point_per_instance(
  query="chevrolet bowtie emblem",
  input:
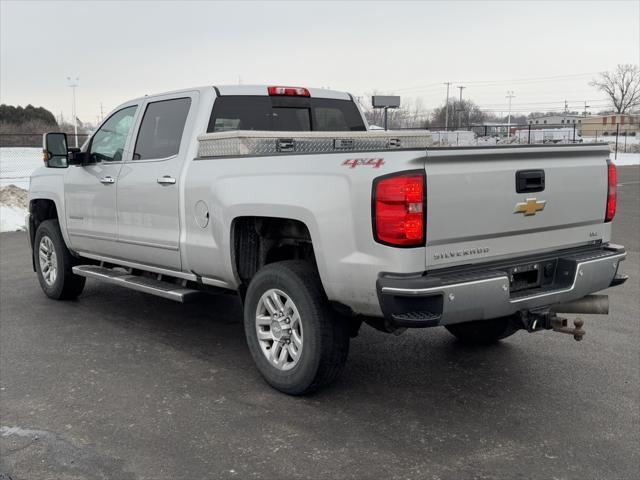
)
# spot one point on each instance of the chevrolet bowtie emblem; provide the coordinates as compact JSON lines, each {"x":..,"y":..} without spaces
{"x":530,"y":207}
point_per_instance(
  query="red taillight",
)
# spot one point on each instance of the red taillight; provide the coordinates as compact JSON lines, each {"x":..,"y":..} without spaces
{"x":612,"y":192}
{"x":289,"y":91}
{"x":398,"y":210}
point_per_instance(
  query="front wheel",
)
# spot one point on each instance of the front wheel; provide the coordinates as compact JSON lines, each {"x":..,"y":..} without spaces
{"x":483,"y":332}
{"x":54,"y":263}
{"x":298,"y":342}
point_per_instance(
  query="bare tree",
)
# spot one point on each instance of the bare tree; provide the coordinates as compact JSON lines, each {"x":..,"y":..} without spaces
{"x":465,"y":111}
{"x":622,"y":86}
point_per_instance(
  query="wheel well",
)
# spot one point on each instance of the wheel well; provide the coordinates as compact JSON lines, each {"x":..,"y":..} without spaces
{"x":258,"y":241}
{"x":40,"y":210}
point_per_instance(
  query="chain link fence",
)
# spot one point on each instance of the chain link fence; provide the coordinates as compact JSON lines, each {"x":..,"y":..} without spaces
{"x":21,"y":154}
{"x":623,"y":137}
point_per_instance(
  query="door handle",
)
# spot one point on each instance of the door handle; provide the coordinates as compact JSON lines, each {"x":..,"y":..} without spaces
{"x":529,"y":181}
{"x":107,"y":180}
{"x":166,"y":180}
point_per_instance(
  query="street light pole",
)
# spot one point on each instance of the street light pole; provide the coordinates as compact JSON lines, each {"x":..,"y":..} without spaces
{"x":73,"y":83}
{"x":510,"y":95}
{"x":460,"y":108}
{"x":446,"y":108}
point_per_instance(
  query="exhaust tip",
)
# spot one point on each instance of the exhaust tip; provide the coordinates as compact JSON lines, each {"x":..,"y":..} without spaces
{"x":589,"y":305}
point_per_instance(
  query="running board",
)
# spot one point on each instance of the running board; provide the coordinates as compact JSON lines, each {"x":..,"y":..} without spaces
{"x":162,"y":289}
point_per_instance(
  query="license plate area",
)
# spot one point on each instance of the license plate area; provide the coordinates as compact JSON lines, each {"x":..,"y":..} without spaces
{"x":523,"y":277}
{"x":531,"y":275}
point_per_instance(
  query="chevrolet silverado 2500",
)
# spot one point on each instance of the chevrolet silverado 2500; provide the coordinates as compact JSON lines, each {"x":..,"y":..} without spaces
{"x":283,"y":195}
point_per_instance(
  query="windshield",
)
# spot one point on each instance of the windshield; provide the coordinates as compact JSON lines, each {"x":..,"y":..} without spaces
{"x":298,"y":114}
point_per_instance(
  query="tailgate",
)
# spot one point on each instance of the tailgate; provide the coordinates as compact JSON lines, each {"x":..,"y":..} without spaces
{"x":475,"y":213}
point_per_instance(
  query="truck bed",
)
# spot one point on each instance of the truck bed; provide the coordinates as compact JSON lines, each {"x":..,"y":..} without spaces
{"x":472,"y":210}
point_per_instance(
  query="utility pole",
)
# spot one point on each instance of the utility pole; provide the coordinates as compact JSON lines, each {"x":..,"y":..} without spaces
{"x":446,"y":108}
{"x":73,"y":84}
{"x":510,"y":95}
{"x":566,"y":107}
{"x":585,"y":108}
{"x":101,"y":113}
{"x":460,"y":109}
{"x":461,"y":88}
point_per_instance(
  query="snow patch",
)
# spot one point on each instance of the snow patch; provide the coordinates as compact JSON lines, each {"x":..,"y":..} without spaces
{"x":13,"y":208}
{"x":626,"y":159}
{"x":12,"y":219}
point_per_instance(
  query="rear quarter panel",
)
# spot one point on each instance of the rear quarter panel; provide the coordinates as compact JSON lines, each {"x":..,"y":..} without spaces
{"x":332,"y":199}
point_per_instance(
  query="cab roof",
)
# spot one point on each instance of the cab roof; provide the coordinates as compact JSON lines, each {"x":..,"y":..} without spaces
{"x":253,"y":90}
{"x":263,"y":91}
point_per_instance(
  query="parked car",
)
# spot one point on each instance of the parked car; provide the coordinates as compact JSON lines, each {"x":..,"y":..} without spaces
{"x":283,"y":195}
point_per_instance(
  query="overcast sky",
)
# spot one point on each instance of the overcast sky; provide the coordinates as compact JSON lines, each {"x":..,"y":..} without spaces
{"x":121,"y":50}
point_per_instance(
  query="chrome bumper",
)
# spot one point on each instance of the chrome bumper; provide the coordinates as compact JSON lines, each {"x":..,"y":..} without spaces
{"x":484,"y":294}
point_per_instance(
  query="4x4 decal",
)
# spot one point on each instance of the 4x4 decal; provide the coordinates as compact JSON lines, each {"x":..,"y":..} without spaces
{"x":366,"y":162}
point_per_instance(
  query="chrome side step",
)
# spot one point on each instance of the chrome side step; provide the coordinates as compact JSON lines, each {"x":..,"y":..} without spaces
{"x":168,"y":290}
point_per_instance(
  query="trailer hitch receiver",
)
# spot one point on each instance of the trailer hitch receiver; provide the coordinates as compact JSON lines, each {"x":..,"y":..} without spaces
{"x":546,"y":319}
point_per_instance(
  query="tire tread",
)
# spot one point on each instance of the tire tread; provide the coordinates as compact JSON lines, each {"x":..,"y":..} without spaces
{"x":72,"y":284}
{"x":334,"y":339}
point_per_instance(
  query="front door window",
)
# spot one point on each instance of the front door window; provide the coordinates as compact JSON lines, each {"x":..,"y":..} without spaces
{"x":108,"y":142}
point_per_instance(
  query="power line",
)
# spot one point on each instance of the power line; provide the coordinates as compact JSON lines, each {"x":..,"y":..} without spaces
{"x":484,"y":83}
{"x":531,"y":79}
{"x":434,"y":85}
{"x":551,"y":102}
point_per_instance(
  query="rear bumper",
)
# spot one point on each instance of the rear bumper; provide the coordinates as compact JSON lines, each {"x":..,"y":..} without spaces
{"x":480,"y":293}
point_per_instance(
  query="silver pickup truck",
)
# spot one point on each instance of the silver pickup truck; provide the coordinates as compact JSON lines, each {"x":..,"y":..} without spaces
{"x":282,"y":195}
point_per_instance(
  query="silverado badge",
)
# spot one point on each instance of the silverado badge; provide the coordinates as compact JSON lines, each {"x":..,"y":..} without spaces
{"x":530,"y":207}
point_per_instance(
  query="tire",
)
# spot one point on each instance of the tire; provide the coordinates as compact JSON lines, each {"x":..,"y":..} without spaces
{"x":483,"y":332}
{"x":49,"y":250}
{"x":316,"y":332}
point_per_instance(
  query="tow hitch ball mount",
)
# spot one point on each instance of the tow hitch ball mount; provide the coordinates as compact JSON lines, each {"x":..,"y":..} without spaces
{"x":533,"y":321}
{"x":548,"y":319}
{"x":559,"y":325}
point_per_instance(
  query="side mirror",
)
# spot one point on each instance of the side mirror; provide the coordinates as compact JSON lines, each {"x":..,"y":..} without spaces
{"x":54,"y":150}
{"x":76,"y":157}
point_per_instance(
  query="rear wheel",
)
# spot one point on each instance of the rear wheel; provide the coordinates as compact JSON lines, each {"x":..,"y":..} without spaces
{"x":298,"y":342}
{"x":54,"y":262}
{"x":483,"y":332}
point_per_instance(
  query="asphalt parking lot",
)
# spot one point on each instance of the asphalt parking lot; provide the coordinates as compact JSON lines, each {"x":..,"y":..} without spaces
{"x":121,"y":385}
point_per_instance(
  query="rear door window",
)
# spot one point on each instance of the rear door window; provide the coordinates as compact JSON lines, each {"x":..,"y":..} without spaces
{"x":297,"y":114}
{"x":161,"y":129}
